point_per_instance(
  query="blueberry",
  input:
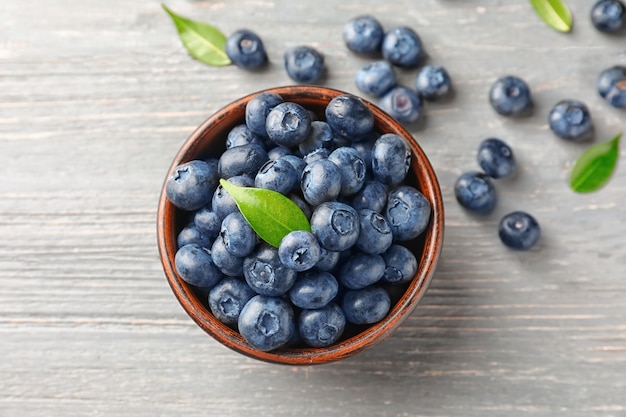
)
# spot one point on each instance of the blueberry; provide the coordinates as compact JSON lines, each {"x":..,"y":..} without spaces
{"x":475,"y":191}
{"x":191,"y":185}
{"x":364,"y":149}
{"x":242,"y":135}
{"x":612,"y":86}
{"x":320,"y":182}
{"x":278,"y":151}
{"x":407,"y":212}
{"x":510,"y":96}
{"x":351,"y":167}
{"x":400,"y":264}
{"x":195,"y":266}
{"x":207,"y":221}
{"x":303,"y":205}
{"x":265,"y":273}
{"x":320,"y":136}
{"x":304,"y":64}
{"x":278,"y":175}
{"x":237,"y":234}
{"x":366,"y":306}
{"x":191,"y":234}
{"x":349,"y":117}
{"x":363,"y":35}
{"x":496,"y":158}
{"x":328,"y":260}
{"x":258,"y":108}
{"x":403,"y":104}
{"x":375,"y":236}
{"x":245,"y":49}
{"x":361,"y":270}
{"x":228,"y":263}
{"x":222,"y":203}
{"x":266,"y":323}
{"x":227,"y":299}
{"x":519,"y":230}
{"x":335,"y":225}
{"x":241,"y":160}
{"x":403,"y":47}
{"x":316,"y":155}
{"x":372,"y":196}
{"x":299,"y":250}
{"x":391,"y":159}
{"x":376,"y":78}
{"x":298,"y":163}
{"x":609,"y":16}
{"x":322,"y":327}
{"x":288,"y":124}
{"x":571,"y":120}
{"x":313,"y":289}
{"x":433,"y":82}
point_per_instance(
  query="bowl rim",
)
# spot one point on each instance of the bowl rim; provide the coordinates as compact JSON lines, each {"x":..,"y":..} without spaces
{"x":433,"y":242}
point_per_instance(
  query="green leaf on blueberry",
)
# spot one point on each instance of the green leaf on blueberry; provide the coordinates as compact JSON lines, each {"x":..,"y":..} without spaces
{"x":203,"y":41}
{"x":270,"y":214}
{"x":555,"y":13}
{"x":595,"y":166}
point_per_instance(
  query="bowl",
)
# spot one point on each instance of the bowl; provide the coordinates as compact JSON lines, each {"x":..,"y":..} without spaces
{"x":208,"y":140}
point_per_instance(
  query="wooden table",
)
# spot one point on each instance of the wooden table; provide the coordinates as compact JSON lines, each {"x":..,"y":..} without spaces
{"x":96,"y":97}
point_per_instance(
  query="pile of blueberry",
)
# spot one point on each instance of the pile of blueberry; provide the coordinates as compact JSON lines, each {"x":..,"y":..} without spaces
{"x":400,"y":47}
{"x":349,"y":181}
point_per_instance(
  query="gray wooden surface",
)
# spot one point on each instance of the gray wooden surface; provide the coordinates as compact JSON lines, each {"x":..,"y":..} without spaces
{"x":96,"y":97}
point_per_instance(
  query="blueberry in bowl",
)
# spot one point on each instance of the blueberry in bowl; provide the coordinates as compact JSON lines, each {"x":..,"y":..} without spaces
{"x":323,"y":294}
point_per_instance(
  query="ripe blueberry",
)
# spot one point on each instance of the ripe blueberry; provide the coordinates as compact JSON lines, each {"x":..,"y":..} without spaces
{"x":402,"y":47}
{"x":376,"y":78}
{"x":191,"y":185}
{"x":510,"y":96}
{"x":403,"y":104}
{"x":496,"y":158}
{"x":571,"y":120}
{"x":609,"y":16}
{"x":612,"y":86}
{"x":304,"y":64}
{"x":433,"y":82}
{"x":245,"y":49}
{"x":266,"y":323}
{"x":519,"y":230}
{"x":363,"y":35}
{"x":322,"y":327}
{"x":475,"y":191}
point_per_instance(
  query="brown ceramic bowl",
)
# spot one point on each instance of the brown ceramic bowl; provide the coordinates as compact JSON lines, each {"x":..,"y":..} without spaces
{"x":208,"y":140}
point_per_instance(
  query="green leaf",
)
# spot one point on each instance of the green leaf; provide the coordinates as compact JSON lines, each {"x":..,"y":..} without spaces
{"x":555,"y":13}
{"x":271,"y":214}
{"x":203,"y":41}
{"x":595,"y":166}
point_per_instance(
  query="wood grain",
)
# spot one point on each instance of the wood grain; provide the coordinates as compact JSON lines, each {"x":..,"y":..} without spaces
{"x":97,"y":97}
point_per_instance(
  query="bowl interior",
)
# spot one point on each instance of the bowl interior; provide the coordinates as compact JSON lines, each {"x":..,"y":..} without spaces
{"x":208,"y":140}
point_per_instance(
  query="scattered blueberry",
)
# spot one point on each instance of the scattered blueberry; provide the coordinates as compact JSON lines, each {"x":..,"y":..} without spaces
{"x":519,"y":230}
{"x":403,"y":104}
{"x":191,"y":185}
{"x":609,"y":16}
{"x":376,"y":78}
{"x":266,"y":323}
{"x":322,"y":327}
{"x":304,"y":64}
{"x":363,"y":35}
{"x":496,"y":158}
{"x":402,"y":47}
{"x":299,"y":250}
{"x":612,"y":86}
{"x":571,"y":120}
{"x":245,"y":49}
{"x":510,"y":96}
{"x":433,"y":82}
{"x":475,"y":191}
